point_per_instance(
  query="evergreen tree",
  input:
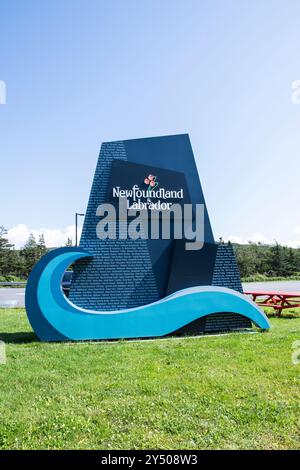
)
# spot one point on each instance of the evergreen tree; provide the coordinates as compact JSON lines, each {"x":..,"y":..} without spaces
{"x":277,"y":259}
{"x":11,"y":263}
{"x":31,"y":254}
{"x":41,"y":246}
{"x":245,"y":260}
{"x":5,"y":248}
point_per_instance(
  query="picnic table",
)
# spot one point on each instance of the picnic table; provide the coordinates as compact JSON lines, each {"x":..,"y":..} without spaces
{"x":277,"y":300}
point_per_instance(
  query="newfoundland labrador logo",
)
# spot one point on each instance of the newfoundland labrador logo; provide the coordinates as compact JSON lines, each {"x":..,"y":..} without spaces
{"x":152,"y":212}
{"x":150,"y":198}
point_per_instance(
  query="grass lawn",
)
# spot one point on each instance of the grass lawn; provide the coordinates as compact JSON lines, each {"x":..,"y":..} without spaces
{"x":236,"y":391}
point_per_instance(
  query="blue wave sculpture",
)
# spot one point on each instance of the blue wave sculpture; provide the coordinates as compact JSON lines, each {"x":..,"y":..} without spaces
{"x":54,"y":318}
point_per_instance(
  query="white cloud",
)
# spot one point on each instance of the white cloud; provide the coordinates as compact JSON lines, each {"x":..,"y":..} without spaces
{"x":19,"y":234}
{"x":260,"y":238}
{"x":293,"y":243}
{"x":297,"y":231}
{"x":255,"y":237}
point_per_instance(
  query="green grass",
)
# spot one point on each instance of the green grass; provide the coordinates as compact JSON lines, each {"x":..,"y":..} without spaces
{"x":12,"y":278}
{"x":236,"y":391}
{"x":286,"y":313}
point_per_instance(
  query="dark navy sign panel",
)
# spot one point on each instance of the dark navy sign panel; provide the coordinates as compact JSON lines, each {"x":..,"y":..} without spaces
{"x":172,"y":153}
{"x":130,"y":273}
{"x":126,"y":175}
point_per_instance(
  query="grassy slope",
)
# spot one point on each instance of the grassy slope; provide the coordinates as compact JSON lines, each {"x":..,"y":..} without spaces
{"x":234,"y":391}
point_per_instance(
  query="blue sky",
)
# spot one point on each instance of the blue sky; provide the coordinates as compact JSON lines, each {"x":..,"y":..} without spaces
{"x":81,"y":72}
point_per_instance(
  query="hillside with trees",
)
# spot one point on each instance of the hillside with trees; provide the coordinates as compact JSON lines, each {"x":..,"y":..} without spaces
{"x":263,"y":262}
{"x":255,"y":261}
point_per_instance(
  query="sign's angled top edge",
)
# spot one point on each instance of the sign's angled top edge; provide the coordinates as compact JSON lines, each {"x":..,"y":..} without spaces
{"x":185,"y":134}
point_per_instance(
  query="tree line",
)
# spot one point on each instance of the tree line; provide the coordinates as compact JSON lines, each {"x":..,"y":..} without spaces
{"x":268,"y":261}
{"x":17,"y":264}
{"x":254,"y":260}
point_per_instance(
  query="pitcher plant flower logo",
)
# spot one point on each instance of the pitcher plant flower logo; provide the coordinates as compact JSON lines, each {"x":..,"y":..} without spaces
{"x":151,"y":182}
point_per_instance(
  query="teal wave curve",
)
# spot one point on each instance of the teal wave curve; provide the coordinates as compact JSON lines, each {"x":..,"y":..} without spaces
{"x":55,"y":318}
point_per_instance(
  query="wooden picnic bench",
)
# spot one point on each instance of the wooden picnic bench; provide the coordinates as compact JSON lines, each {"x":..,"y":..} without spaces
{"x":277,"y":300}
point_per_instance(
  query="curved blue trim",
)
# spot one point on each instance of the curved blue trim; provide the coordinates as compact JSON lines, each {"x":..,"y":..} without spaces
{"x":55,"y":318}
{"x":40,"y":325}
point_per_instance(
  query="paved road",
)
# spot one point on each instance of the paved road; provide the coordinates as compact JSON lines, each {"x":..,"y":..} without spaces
{"x":283,"y":286}
{"x":12,"y":297}
{"x":16,"y":297}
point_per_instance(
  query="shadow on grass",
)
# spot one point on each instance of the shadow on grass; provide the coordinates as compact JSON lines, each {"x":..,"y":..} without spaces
{"x":17,"y":338}
{"x":283,"y":316}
